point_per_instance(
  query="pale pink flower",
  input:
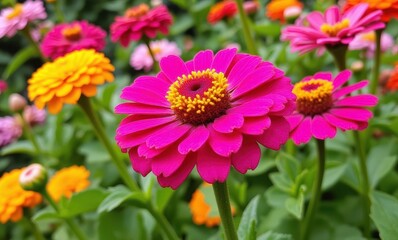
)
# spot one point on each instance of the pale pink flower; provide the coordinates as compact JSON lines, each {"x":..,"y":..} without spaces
{"x":367,"y":42}
{"x":34,"y":116}
{"x":10,"y":130}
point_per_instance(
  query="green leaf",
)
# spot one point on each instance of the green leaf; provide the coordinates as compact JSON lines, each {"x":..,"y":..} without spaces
{"x":181,"y":3}
{"x":274,"y":236}
{"x":23,"y":146}
{"x":296,"y":205}
{"x":82,"y":202}
{"x":380,"y":162}
{"x":46,"y":213}
{"x":247,"y":225}
{"x":119,"y":195}
{"x":268,"y":29}
{"x":162,"y":197}
{"x":334,"y":171}
{"x":181,"y":24}
{"x":384,"y":213}
{"x":276,"y":197}
{"x":20,"y":58}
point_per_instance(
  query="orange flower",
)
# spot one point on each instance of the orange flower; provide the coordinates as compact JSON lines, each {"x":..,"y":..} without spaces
{"x":67,"y":181}
{"x":223,"y":9}
{"x":65,"y":79}
{"x":13,"y":198}
{"x":392,"y":83}
{"x":276,"y":8}
{"x":201,"y":208}
{"x":389,"y":7}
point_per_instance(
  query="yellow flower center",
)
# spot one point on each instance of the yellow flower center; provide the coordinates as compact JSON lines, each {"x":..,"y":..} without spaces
{"x":200,"y":97}
{"x":17,"y":10}
{"x":156,"y":50}
{"x":371,"y":37}
{"x":334,"y":29}
{"x":136,"y":12}
{"x":313,"y":96}
{"x":72,"y":33}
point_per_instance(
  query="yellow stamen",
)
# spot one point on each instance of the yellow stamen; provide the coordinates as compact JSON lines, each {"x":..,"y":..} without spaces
{"x":72,"y":33}
{"x":137,"y":11}
{"x":17,"y":10}
{"x":333,"y":30}
{"x":313,"y":96}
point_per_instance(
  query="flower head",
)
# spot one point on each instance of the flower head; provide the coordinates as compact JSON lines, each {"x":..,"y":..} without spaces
{"x":16,"y":102}
{"x":3,"y":86}
{"x":140,"y":21}
{"x":65,"y":79}
{"x":67,"y":181}
{"x":68,"y":37}
{"x":276,"y":8}
{"x":217,"y":106}
{"x":389,"y":7}
{"x":203,"y":207}
{"x":392,"y":82}
{"x":331,"y":29}
{"x":141,"y":58}
{"x":10,"y":130}
{"x":13,"y":199}
{"x":324,"y":105}
{"x":16,"y":18}
{"x":221,"y":10}
{"x":33,"y":178}
{"x":367,"y":41}
{"x":34,"y":116}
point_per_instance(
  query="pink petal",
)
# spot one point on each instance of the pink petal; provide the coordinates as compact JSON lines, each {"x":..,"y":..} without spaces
{"x":228,"y":122}
{"x":357,"y":114}
{"x":145,"y":151}
{"x":349,"y":89}
{"x":173,"y":67}
{"x":247,"y":157}
{"x":139,"y":164}
{"x":255,"y":125}
{"x":257,"y":107}
{"x":167,"y":162}
{"x":364,"y":100}
{"x":141,"y":125}
{"x":332,"y":15}
{"x":356,"y":12}
{"x":164,"y":138}
{"x":151,"y":82}
{"x":241,"y":70}
{"x":178,"y":177}
{"x":276,"y":135}
{"x":302,"y":134}
{"x":323,"y":75}
{"x":341,"y":78}
{"x":315,"y":19}
{"x":341,"y":123}
{"x":144,"y":96}
{"x":223,"y":59}
{"x":212,"y":167}
{"x":294,"y":120}
{"x":225,"y":143}
{"x":137,"y":108}
{"x":203,"y":60}
{"x":321,"y":129}
{"x":195,"y":139}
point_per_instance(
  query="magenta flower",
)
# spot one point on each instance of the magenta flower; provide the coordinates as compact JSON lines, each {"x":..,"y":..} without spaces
{"x":367,"y":42}
{"x":209,"y":112}
{"x":3,"y":86}
{"x":16,"y":18}
{"x":323,"y":105}
{"x":10,"y":130}
{"x":34,"y":116}
{"x":68,"y":37}
{"x":140,"y":21}
{"x":141,"y":58}
{"x":317,"y":30}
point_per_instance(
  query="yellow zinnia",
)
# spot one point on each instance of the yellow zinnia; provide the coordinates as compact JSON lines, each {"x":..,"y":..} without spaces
{"x":66,"y":78}
{"x":67,"y":181}
{"x":13,"y":198}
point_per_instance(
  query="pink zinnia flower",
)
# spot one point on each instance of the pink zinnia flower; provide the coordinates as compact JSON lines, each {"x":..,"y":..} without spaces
{"x":323,"y":105}
{"x":141,"y":58}
{"x":68,"y":37}
{"x":140,"y":21}
{"x":367,"y":41}
{"x":3,"y":86}
{"x":210,"y":112}
{"x":10,"y":130}
{"x":16,"y":18}
{"x":34,"y":116}
{"x":331,"y":28}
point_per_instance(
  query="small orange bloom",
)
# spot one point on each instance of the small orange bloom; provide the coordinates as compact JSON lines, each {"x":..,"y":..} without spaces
{"x":389,"y":7}
{"x":65,"y":79}
{"x":223,"y":9}
{"x":276,"y":8}
{"x":392,"y":83}
{"x":13,"y":198}
{"x":67,"y":181}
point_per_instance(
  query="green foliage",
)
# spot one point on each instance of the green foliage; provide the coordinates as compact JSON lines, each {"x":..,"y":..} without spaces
{"x":384,"y":213}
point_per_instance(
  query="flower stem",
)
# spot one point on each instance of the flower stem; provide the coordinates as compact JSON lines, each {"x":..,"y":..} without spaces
{"x":250,"y":43}
{"x":339,"y":55}
{"x":72,"y":224}
{"x":364,"y":184}
{"x":35,"y":230}
{"x":224,"y":207}
{"x":58,"y":11}
{"x":86,"y":105}
{"x":155,"y":63}
{"x":26,"y":33}
{"x":29,"y":134}
{"x":316,"y":191}
{"x":163,"y":223}
{"x":376,"y":66}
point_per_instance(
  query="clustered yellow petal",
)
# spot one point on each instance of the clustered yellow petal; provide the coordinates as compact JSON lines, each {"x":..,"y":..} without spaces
{"x":13,"y":198}
{"x":67,"y":181}
{"x":65,"y":79}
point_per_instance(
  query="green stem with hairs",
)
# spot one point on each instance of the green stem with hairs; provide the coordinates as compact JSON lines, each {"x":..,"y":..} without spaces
{"x":163,"y":223}
{"x":155,"y":63}
{"x":29,"y":134}
{"x":58,"y":11}
{"x":250,"y":43}
{"x":316,"y":191}
{"x":33,"y":227}
{"x":224,"y":208}
{"x":87,"y":107}
{"x":376,"y":65}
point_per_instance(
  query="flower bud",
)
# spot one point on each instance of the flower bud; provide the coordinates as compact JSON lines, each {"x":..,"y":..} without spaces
{"x":16,"y":102}
{"x":357,"y":66}
{"x":33,"y":178}
{"x":292,"y":13}
{"x":3,"y":86}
